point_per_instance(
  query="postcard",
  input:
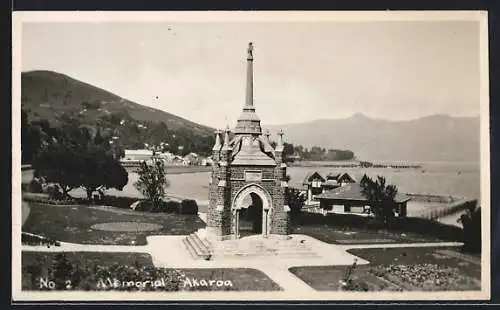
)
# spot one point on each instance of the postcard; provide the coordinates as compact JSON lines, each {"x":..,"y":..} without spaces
{"x":212,"y":156}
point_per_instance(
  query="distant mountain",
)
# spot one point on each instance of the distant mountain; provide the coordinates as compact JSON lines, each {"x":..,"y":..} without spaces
{"x":431,"y":138}
{"x":56,"y":97}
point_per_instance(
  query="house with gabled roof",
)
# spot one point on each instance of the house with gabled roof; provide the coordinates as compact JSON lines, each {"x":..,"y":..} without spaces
{"x":314,"y":182}
{"x":339,"y":179}
{"x":351,"y":195}
{"x":317,"y":184}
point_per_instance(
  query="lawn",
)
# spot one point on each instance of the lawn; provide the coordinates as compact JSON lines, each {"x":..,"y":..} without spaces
{"x":399,"y":269}
{"x":73,"y":224}
{"x":138,"y":267}
{"x":338,"y":235}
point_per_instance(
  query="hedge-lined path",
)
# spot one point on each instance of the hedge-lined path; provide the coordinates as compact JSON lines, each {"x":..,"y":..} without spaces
{"x":169,"y":252}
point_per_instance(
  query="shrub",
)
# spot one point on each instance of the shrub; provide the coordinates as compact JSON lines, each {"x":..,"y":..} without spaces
{"x":54,"y":192}
{"x":471,"y":231}
{"x":188,"y":206}
{"x":173,"y":206}
{"x":295,"y":200}
{"x":118,"y":201}
{"x":147,"y":206}
{"x":35,"y":186}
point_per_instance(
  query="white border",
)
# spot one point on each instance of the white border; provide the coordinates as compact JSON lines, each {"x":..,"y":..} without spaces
{"x":250,"y":16}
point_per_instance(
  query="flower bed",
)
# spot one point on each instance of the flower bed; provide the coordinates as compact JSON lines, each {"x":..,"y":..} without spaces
{"x":428,"y":277}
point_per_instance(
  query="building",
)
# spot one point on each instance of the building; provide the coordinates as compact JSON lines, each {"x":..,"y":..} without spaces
{"x":350,"y":196}
{"x":137,"y":155}
{"x":316,"y":184}
{"x":206,"y":161}
{"x":248,"y":177}
{"x":178,"y":160}
{"x":335,"y":180}
{"x":192,"y":159}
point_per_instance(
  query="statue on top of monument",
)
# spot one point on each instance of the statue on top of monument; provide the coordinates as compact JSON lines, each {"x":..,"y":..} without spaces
{"x":250,"y":49}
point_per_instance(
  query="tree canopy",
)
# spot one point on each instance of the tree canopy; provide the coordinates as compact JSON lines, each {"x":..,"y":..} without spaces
{"x":77,"y":159}
{"x":381,"y":197}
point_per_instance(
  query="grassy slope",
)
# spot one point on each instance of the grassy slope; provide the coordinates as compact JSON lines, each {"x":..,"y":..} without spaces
{"x":49,"y":95}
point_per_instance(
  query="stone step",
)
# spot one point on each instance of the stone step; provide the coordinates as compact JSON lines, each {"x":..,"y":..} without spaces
{"x":189,"y":248}
{"x":219,"y":250}
{"x":200,"y":243}
{"x":196,"y":247}
{"x":247,"y":247}
{"x":199,"y":252}
{"x":264,"y":255}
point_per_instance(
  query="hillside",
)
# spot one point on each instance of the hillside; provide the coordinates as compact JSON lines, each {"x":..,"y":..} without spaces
{"x":432,"y":138}
{"x":56,"y":97}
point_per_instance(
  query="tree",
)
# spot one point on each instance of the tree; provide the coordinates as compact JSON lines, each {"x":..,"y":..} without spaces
{"x":295,"y":200}
{"x":288,"y":150}
{"x":76,"y":160}
{"x":31,"y":139}
{"x":381,"y":197}
{"x":152,"y":181}
{"x":471,"y":228}
{"x":102,"y":171}
{"x":60,"y":163}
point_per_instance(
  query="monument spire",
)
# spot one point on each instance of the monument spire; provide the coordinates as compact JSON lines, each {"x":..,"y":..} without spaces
{"x":249,"y":88}
{"x":249,"y":122}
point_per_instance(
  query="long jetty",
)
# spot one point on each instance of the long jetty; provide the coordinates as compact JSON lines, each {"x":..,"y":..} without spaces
{"x":354,"y":164}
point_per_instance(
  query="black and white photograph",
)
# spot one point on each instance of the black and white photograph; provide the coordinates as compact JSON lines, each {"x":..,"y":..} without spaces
{"x":250,"y":156}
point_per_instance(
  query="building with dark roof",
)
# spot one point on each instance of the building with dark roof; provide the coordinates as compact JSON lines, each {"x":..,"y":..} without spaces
{"x":316,"y":184}
{"x":351,"y":195}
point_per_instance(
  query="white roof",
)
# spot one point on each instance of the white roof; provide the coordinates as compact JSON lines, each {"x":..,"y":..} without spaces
{"x":138,"y":152}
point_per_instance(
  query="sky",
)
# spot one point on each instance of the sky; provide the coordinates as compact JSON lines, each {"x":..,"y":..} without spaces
{"x":302,"y":70}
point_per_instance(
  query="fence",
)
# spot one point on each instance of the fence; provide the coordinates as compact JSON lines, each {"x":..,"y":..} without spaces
{"x":432,"y":198}
{"x":452,"y":208}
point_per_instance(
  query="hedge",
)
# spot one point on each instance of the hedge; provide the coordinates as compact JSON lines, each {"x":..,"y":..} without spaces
{"x":184,"y":206}
{"x":31,"y":239}
{"x":416,"y":225}
{"x":45,"y":199}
